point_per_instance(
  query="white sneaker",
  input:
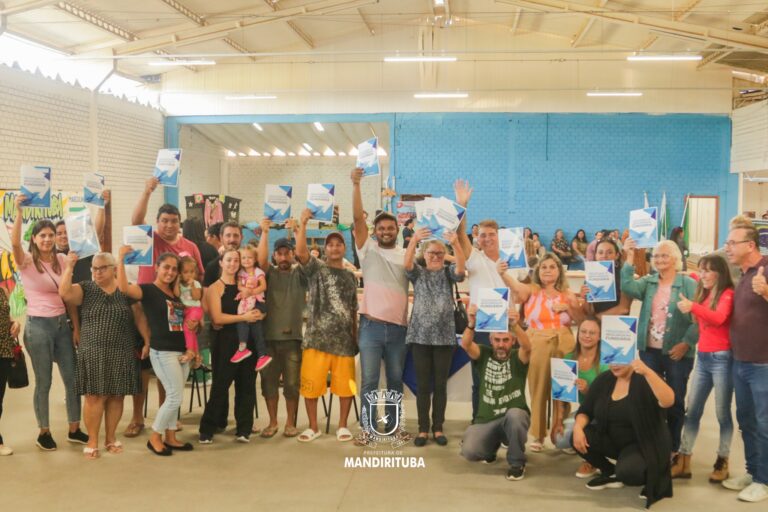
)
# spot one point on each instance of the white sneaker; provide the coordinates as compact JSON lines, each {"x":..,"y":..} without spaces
{"x":5,"y":450}
{"x":754,"y":493}
{"x":738,"y":483}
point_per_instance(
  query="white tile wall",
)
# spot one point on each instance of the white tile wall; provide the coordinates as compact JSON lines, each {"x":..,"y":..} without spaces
{"x":200,"y":164}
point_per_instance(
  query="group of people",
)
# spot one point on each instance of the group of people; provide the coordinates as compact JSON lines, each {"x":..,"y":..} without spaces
{"x":635,"y":424}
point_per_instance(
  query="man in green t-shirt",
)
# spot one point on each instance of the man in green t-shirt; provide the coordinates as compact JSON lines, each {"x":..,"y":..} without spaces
{"x":502,"y":412}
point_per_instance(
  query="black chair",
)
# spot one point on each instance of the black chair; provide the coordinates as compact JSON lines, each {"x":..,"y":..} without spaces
{"x":327,"y":409}
{"x":195,"y":378}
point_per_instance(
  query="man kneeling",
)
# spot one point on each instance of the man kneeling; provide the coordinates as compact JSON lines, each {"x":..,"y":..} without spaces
{"x":502,"y":413}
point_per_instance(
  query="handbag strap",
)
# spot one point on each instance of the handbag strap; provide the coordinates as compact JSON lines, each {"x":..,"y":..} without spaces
{"x":49,"y":275}
{"x":455,"y":286}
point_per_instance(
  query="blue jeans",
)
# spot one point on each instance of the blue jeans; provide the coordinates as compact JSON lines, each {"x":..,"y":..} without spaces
{"x":377,"y":341}
{"x":49,"y":340}
{"x":172,"y":374}
{"x":675,"y":374}
{"x":751,"y":385}
{"x":713,"y":369}
{"x":482,"y":440}
{"x":481,"y":338}
{"x":564,"y":441}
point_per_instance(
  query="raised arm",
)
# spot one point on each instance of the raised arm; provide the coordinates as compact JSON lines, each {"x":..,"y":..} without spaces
{"x":463,"y":193}
{"x":360,"y":229}
{"x":18,"y":250}
{"x":521,"y":290}
{"x":132,"y":290}
{"x":410,"y":252}
{"x":302,"y":251}
{"x":458,"y":253}
{"x":661,"y":389}
{"x":100,"y":220}
{"x":524,"y":354}
{"x":140,"y":210}
{"x":70,"y":293}
{"x":468,"y":338}
{"x":262,"y":251}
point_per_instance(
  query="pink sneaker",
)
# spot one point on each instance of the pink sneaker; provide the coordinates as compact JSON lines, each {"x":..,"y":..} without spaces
{"x":263,"y":362}
{"x":240,"y":355}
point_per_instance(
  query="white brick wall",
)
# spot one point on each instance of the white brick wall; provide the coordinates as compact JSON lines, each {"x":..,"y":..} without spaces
{"x":248,"y":175}
{"x":200,"y":164}
{"x":47,"y":122}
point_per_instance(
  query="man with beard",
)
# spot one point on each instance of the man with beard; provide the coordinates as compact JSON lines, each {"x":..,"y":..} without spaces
{"x":230,"y":237}
{"x":384,"y":308}
{"x":502,"y":413}
{"x":286,"y":299}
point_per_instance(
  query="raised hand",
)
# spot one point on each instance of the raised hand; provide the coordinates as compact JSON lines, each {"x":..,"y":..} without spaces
{"x":463,"y":192}
{"x":306,"y":214}
{"x":265,"y":224}
{"x":107,"y":195}
{"x":357,"y":175}
{"x":71,"y":259}
{"x":502,"y":266}
{"x":450,"y":237}
{"x":421,"y":234}
{"x":20,"y":198}
{"x":124,"y":251}
{"x":759,"y":285}
{"x":684,"y":305}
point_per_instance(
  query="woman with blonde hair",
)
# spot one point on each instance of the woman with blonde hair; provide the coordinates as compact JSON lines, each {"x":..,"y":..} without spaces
{"x":550,"y":310}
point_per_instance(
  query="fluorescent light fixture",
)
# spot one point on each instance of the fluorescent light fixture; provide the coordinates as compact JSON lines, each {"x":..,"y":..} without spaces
{"x":258,"y":127}
{"x":595,"y":94}
{"x":319,"y":127}
{"x":434,"y":95}
{"x":352,"y":152}
{"x":439,"y":2}
{"x":265,"y":154}
{"x":231,"y":153}
{"x":341,"y":153}
{"x":291,"y":153}
{"x":663,"y":58}
{"x":380,"y":151}
{"x":304,"y":152}
{"x":420,"y":59}
{"x":241,"y":154}
{"x":329,"y":152}
{"x":315,"y":153}
{"x":183,"y":62}
{"x":306,"y":146}
{"x":251,"y":97}
{"x":253,"y":152}
{"x":278,"y":152}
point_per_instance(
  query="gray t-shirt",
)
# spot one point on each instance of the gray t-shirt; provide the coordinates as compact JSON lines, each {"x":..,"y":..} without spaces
{"x":332,"y":309}
{"x":286,"y":299}
{"x":431,"y":320}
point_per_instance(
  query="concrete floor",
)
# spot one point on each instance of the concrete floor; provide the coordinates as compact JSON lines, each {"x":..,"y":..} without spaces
{"x":282,"y":474}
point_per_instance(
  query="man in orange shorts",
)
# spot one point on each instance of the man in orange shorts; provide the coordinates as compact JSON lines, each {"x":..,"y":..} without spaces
{"x":330,"y":339}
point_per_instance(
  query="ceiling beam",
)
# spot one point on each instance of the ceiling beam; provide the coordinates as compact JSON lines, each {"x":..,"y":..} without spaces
{"x":222,"y":29}
{"x":717,"y":56}
{"x":516,"y":20}
{"x":296,"y":30}
{"x":679,"y":16}
{"x":366,"y":23}
{"x":675,"y":28}
{"x":25,"y":6}
{"x":586,"y":26}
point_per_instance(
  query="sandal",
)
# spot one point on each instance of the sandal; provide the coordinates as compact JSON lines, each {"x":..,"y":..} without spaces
{"x":290,"y":431}
{"x":116,"y":447}
{"x":91,"y":453}
{"x":134,"y":430}
{"x":255,"y":430}
{"x":268,"y":432}
{"x":308,"y":436}
{"x":537,"y":446}
{"x":343,"y":435}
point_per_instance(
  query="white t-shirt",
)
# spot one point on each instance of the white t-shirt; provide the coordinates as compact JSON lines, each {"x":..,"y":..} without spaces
{"x":483,"y":274}
{"x":385,"y":295}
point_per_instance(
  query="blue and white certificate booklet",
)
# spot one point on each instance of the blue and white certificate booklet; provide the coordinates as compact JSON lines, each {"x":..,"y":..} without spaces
{"x":440,"y":215}
{"x":167,"y":167}
{"x":600,"y":278}
{"x":492,"y":310}
{"x":93,"y":189}
{"x":83,"y":239}
{"x":277,"y":203}
{"x":643,"y":227}
{"x":36,"y":185}
{"x":368,"y":157}
{"x":564,"y":373}
{"x":320,"y":198}
{"x":618,"y":342}
{"x":512,"y":247}
{"x":141,"y":241}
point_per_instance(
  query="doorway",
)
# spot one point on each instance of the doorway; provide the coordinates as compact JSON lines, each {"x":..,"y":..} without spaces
{"x":703,"y":219}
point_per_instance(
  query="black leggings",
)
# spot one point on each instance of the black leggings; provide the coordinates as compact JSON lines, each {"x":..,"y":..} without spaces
{"x":630,"y":468}
{"x":431,"y":362}
{"x":5,"y":370}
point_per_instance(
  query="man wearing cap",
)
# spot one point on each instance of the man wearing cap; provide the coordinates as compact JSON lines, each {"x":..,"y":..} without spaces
{"x":330,"y":339}
{"x":286,"y":300}
{"x":385,"y":303}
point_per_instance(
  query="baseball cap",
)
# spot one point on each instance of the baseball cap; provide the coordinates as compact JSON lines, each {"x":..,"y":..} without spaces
{"x":384,"y":216}
{"x":283,"y":243}
{"x":337,"y":235}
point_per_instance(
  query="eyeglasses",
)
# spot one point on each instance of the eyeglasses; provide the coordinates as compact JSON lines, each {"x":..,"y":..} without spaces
{"x":100,"y":269}
{"x":661,"y":256}
{"x":433,"y":254}
{"x":731,"y":243}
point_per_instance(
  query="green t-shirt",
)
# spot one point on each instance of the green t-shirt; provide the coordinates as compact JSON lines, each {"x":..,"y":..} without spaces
{"x":588,"y":375}
{"x":286,"y":299}
{"x":502,"y":385}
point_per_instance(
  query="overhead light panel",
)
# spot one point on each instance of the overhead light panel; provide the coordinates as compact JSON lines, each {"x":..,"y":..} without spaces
{"x":352,"y":152}
{"x":304,"y":152}
{"x":315,"y":153}
{"x":291,"y":153}
{"x":253,"y":152}
{"x":241,"y":154}
{"x":319,"y":127}
{"x":231,"y":153}
{"x":258,"y":127}
{"x":629,"y":94}
{"x":420,"y":59}
{"x":251,"y":97}
{"x":341,"y":153}
{"x":183,"y":62}
{"x":663,"y":58}
{"x":329,"y":152}
{"x":306,"y":146}
{"x":265,"y":154}
{"x":278,"y":152}
{"x":436,"y":95}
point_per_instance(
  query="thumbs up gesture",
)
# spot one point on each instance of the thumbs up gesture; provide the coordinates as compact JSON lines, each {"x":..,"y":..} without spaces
{"x":759,"y":284}
{"x":684,"y":305}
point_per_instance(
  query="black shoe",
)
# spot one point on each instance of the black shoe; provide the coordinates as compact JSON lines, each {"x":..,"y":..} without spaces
{"x":186,"y":447}
{"x":604,"y":482}
{"x":643,"y":494}
{"x":221,"y":430}
{"x":419,"y":441}
{"x":165,"y":452}
{"x":491,"y":460}
{"x":78,"y":436}
{"x":515,"y":472}
{"x":45,"y":442}
{"x":205,"y":439}
{"x":441,"y":440}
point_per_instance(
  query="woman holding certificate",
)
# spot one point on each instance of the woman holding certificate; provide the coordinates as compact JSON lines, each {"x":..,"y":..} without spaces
{"x":607,"y":250}
{"x":550,"y":309}
{"x":48,"y":336}
{"x":666,"y":337}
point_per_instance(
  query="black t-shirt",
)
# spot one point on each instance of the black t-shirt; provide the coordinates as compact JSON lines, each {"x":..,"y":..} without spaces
{"x":212,"y":273}
{"x":165,"y":316}
{"x":208,"y":253}
{"x":620,"y":422}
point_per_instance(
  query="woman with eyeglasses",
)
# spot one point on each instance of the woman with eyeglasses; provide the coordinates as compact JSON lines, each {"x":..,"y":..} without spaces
{"x":107,"y":366}
{"x":431,"y":329}
{"x":666,"y":337}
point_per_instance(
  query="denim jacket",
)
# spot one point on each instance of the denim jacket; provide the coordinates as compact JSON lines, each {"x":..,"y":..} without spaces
{"x":680,"y":327}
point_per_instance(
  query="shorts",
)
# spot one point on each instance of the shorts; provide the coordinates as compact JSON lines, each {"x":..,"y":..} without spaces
{"x":315,"y":366}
